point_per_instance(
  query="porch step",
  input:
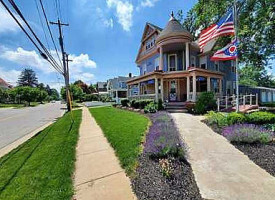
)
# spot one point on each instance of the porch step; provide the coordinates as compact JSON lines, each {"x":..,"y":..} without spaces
{"x":176,"y":107}
{"x":177,"y":110}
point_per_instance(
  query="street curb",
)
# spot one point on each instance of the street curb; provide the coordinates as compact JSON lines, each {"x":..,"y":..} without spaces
{"x":21,"y":140}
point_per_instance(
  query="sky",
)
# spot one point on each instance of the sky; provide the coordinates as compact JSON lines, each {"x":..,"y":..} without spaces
{"x":102,"y":38}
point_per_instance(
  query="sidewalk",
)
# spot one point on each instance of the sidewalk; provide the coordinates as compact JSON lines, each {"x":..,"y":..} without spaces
{"x":221,"y":171}
{"x":98,"y":175}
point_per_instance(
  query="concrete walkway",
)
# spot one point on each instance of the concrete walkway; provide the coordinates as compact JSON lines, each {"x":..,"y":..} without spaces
{"x":222,"y":172}
{"x":98,"y":175}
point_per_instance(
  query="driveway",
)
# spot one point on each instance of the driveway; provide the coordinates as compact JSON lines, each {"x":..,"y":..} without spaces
{"x":16,"y":123}
{"x":96,"y":103}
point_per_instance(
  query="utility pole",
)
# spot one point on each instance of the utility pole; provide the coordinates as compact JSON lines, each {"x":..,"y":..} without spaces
{"x":237,"y":59}
{"x":64,"y":56}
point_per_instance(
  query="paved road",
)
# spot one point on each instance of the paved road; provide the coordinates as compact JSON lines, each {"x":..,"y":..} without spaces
{"x":16,"y":123}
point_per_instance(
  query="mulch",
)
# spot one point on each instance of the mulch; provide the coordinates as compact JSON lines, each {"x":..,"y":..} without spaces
{"x":261,"y":154}
{"x":150,"y":184}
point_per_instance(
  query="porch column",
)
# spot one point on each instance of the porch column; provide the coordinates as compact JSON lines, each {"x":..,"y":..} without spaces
{"x":188,"y":88}
{"x":138,"y":88}
{"x":128,"y":91}
{"x":156,"y":89}
{"x":187,"y":55}
{"x":220,"y":86}
{"x":208,"y":84}
{"x":160,"y":58}
{"x":117,"y":100}
{"x":161,"y":89}
{"x":194,"y":88}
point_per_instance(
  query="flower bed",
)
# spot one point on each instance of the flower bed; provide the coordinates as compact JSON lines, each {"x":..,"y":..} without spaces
{"x":256,"y":139}
{"x":163,"y":172}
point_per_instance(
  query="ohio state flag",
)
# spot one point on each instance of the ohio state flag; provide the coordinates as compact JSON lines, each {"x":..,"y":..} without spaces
{"x":229,"y":52}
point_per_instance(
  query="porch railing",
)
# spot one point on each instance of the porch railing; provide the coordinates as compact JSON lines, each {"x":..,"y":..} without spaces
{"x":143,"y":96}
{"x":228,"y":102}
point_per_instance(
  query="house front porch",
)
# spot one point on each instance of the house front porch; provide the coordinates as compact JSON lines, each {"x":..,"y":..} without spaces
{"x":177,"y":86}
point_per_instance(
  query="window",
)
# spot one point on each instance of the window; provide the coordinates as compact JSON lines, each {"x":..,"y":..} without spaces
{"x":203,"y":62}
{"x":157,"y":63}
{"x":122,"y":85}
{"x":172,"y":62}
{"x":193,"y":61}
{"x":144,"y":69}
{"x":150,"y":43}
{"x":217,"y":65}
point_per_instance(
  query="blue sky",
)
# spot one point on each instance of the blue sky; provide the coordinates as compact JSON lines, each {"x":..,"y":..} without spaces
{"x":103,"y":37}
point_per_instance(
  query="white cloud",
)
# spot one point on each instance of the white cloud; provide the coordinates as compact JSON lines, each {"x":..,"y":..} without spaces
{"x":106,"y":22}
{"x":79,"y":68}
{"x":124,"y":12}
{"x":148,"y":3}
{"x":10,"y":76}
{"x":7,"y":23}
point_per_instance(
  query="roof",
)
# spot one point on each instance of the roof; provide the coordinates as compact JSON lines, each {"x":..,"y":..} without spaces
{"x":115,"y":82}
{"x":174,"y":26}
{"x":101,"y":84}
{"x":156,"y":27}
{"x":4,"y":84}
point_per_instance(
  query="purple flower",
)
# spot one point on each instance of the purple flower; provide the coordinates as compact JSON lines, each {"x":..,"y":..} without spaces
{"x":248,"y":133}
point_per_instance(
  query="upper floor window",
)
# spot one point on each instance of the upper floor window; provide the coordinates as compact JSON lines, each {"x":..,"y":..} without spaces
{"x":203,"y":62}
{"x":217,"y":65}
{"x":172,"y":62}
{"x":150,"y":43}
{"x":122,"y":85}
{"x":193,"y":61}
{"x":157,"y":63}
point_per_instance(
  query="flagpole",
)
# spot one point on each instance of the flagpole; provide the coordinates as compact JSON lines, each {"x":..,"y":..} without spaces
{"x":237,"y":58}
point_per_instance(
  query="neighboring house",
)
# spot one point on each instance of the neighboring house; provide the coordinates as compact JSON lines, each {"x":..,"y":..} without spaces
{"x":266,"y":95}
{"x":117,"y":88}
{"x":173,"y":69}
{"x":4,"y":84}
{"x":101,"y":88}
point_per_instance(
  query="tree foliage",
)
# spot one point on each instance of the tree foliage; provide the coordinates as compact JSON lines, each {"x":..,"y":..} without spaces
{"x":256,"y":32}
{"x":28,"y":78}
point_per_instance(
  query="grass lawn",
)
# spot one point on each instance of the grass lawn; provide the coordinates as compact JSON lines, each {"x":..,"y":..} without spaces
{"x":125,"y":131}
{"x":42,"y":167}
{"x":14,"y":105}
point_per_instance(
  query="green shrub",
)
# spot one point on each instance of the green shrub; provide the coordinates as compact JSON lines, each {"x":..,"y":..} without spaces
{"x":140,"y":104}
{"x":132,"y":103}
{"x":216,"y":118}
{"x":151,"y":108}
{"x":160,"y":105}
{"x":125,"y":102}
{"x":235,"y":118}
{"x":205,"y":102}
{"x":261,"y":118}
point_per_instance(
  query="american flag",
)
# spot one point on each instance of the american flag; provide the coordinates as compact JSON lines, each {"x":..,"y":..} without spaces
{"x":224,"y":27}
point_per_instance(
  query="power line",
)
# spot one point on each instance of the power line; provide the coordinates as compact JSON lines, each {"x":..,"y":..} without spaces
{"x":40,"y":19}
{"x":47,"y":22}
{"x":48,"y":55}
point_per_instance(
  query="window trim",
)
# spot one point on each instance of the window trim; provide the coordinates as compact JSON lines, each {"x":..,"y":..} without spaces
{"x":192,"y":57}
{"x":218,"y":65}
{"x":176,"y":62}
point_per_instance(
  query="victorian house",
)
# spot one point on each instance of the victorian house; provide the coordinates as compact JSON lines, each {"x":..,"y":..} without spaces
{"x":173,"y":69}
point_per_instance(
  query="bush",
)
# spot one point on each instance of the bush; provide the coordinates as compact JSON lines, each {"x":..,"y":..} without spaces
{"x":205,"y":102}
{"x":151,"y":108}
{"x":160,"y":105}
{"x":140,"y":104}
{"x":91,"y":97}
{"x":248,"y":133}
{"x":261,"y":118}
{"x":125,"y":102}
{"x":216,"y":118}
{"x":235,"y":118}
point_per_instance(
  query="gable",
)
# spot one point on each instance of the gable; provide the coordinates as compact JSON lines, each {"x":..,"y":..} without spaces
{"x":148,"y":39}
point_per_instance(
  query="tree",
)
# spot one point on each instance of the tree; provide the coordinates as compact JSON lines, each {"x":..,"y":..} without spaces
{"x":76,"y":92}
{"x":83,"y":86}
{"x":54,"y":95}
{"x":3,"y":95}
{"x":256,"y":30}
{"x":28,"y":94}
{"x":42,"y":95}
{"x":28,"y":78}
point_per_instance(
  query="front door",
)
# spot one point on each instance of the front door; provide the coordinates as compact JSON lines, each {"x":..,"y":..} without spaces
{"x":173,"y":91}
